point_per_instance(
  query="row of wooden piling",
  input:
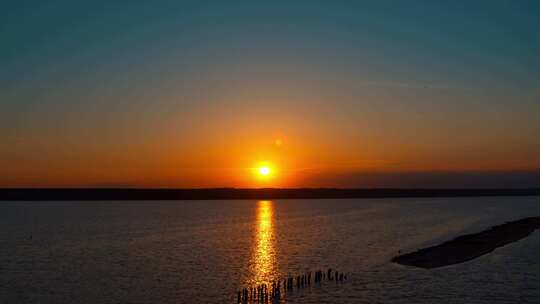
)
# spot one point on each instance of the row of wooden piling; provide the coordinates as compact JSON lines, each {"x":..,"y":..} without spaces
{"x":264,"y":293}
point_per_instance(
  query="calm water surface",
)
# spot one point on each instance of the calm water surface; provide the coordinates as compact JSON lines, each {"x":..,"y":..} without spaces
{"x":203,"y":251}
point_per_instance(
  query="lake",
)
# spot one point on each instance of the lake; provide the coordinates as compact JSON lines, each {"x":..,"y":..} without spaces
{"x":204,"y":251}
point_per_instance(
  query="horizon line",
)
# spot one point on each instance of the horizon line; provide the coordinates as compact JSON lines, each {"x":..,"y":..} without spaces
{"x":96,"y":194}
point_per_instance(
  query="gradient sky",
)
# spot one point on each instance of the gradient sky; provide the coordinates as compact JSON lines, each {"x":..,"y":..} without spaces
{"x":195,"y":93}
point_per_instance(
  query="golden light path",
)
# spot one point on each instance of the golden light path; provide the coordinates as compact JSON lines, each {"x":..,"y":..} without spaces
{"x":264,"y":254}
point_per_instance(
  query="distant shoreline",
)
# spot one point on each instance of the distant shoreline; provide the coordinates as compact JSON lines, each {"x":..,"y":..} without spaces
{"x":97,"y":194}
{"x":468,"y":247}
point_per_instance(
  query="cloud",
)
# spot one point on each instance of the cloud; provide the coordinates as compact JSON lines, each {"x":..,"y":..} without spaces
{"x":427,"y":179}
{"x":405,"y":85}
{"x":352,"y":165}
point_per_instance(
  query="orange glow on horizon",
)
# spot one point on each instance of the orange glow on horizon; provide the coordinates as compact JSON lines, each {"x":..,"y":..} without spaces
{"x":250,"y":158}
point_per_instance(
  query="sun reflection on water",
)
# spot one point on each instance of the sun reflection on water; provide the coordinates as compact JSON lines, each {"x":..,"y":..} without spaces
{"x":264,"y":253}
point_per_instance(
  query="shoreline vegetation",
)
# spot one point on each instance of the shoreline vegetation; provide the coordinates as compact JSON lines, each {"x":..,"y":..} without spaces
{"x":94,"y":194}
{"x":468,"y":247}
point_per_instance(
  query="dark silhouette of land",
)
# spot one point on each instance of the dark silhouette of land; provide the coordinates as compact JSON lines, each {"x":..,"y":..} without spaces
{"x":65,"y":194}
{"x":470,"y":246}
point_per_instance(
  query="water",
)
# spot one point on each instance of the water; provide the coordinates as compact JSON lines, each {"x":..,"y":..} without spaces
{"x":203,"y":251}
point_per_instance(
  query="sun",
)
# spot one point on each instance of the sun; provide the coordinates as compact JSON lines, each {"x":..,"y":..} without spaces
{"x":264,"y":170}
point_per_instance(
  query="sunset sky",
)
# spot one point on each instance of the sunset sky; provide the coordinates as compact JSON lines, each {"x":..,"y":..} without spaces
{"x":323,"y":93}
